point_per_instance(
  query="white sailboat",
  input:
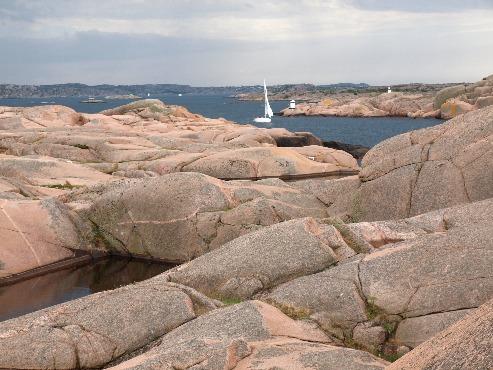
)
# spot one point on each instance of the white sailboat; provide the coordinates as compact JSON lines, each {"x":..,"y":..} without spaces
{"x":267,"y":110}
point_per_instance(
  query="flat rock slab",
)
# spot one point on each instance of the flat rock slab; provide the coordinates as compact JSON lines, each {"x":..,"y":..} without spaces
{"x":50,"y":172}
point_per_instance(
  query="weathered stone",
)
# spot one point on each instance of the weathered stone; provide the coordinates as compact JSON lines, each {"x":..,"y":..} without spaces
{"x":260,"y":260}
{"x":96,"y":329}
{"x":368,"y":336}
{"x":387,"y":197}
{"x":35,"y":233}
{"x":454,"y":108}
{"x":226,"y":338}
{"x":295,"y":354}
{"x":338,"y":194}
{"x":484,"y":101}
{"x":448,"y":93}
{"x":261,"y":162}
{"x":331,"y":298}
{"x":380,"y":233}
{"x":180,"y":216}
{"x":415,"y":330}
{"x":49,"y":172}
{"x":429,"y":169}
{"x":443,"y":180}
{"x":428,"y":274}
{"x":464,"y":345}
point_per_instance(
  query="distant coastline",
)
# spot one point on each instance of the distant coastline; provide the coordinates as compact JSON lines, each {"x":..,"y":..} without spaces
{"x":252,"y":92}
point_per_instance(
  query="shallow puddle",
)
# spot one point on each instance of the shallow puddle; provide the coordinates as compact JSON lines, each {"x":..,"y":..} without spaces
{"x":65,"y":285}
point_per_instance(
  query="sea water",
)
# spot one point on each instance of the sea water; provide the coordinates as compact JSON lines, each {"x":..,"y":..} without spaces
{"x":362,"y":131}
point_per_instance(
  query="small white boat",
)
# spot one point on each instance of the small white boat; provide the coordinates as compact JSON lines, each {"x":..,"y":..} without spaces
{"x":267,"y":110}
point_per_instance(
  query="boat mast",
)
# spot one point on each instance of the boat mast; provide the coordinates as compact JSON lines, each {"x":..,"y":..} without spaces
{"x":265,"y":100}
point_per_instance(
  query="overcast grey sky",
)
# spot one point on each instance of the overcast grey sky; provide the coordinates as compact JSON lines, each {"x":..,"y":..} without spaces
{"x":220,"y":42}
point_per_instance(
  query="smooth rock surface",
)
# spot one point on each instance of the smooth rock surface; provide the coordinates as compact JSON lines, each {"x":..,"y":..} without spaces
{"x":34,"y":234}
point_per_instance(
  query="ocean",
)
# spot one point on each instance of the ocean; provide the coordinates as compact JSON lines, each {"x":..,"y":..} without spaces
{"x":362,"y":131}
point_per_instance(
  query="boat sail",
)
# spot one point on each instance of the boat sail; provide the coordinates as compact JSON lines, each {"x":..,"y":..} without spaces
{"x":267,"y":109}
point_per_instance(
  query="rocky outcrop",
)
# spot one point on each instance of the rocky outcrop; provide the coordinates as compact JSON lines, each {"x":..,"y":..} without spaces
{"x":312,"y":273}
{"x":42,"y":175}
{"x":94,"y":330}
{"x":49,"y":151}
{"x":149,"y":138}
{"x":267,"y":162}
{"x":383,"y":105}
{"x":417,"y":172}
{"x":392,"y":287}
{"x":446,"y":103}
{"x":465,"y":345}
{"x":180,"y":216}
{"x":243,"y":266}
{"x":456,"y":100}
{"x":245,"y":336}
{"x":384,"y":287}
{"x":37,"y":117}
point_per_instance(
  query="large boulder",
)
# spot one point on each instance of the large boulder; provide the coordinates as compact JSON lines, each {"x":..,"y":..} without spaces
{"x":448,"y":93}
{"x":180,"y":216}
{"x":94,"y":330}
{"x":465,"y":345}
{"x":263,"y":259}
{"x":454,"y":107}
{"x":428,"y":169}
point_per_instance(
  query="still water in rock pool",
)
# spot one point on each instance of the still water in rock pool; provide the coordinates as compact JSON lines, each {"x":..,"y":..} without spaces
{"x":65,"y":285}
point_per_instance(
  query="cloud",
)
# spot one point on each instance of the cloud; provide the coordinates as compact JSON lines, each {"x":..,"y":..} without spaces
{"x":422,"y":6}
{"x":234,"y":42}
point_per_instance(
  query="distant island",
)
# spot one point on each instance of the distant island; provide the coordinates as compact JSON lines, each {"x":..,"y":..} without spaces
{"x":253,"y":92}
{"x":103,"y":91}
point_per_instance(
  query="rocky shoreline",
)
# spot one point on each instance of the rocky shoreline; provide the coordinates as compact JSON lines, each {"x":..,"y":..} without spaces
{"x":349,"y":273}
{"x":445,"y":104}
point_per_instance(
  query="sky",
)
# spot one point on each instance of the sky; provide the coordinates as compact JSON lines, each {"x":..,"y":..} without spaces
{"x":241,"y":42}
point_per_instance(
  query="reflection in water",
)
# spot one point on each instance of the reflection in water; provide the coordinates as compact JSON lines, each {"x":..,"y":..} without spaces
{"x":62,"y":286}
